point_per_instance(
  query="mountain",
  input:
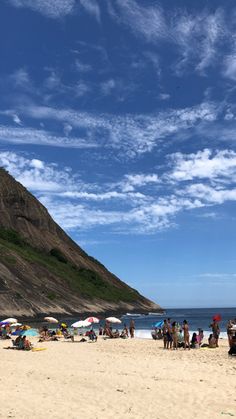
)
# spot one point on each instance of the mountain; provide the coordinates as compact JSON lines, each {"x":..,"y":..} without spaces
{"x":43,"y":271}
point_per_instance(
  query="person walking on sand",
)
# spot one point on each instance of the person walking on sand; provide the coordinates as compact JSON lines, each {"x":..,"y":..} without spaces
{"x":131,"y":328}
{"x":186,"y":334}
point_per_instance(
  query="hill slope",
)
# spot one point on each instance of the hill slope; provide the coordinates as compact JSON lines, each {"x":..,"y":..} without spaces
{"x":42,"y":270}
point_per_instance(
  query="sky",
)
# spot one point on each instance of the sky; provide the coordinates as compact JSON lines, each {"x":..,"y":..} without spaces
{"x":120,"y":117}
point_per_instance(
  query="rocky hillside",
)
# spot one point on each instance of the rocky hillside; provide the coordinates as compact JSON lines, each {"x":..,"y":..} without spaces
{"x":42,"y":270}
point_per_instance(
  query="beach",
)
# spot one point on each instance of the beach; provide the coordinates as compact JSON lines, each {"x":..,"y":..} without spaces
{"x":131,"y":378}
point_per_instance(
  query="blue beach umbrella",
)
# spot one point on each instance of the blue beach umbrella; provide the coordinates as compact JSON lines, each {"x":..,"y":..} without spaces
{"x":158,"y":324}
{"x":30,"y":332}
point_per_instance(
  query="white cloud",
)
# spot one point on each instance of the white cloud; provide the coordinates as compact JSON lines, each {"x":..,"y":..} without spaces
{"x":219,"y":166}
{"x":108,"y":86}
{"x":41,"y":137}
{"x":131,"y":134}
{"x":81,"y":89}
{"x":12,"y":114}
{"x":82,"y":67}
{"x":132,"y":181}
{"x":16,"y":119}
{"x":164,"y":96}
{"x":135,"y":205}
{"x":145,"y":21}
{"x":67,"y":129}
{"x":50,"y":8}
{"x":36,"y":174}
{"x":21,"y":78}
{"x":37,"y":164}
{"x":52,"y":81}
{"x":197,"y":36}
{"x":209,"y":194}
{"x":92,"y":7}
{"x":230,"y":67}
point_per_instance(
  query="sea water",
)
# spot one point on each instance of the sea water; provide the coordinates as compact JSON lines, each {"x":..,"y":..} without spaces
{"x":196,"y":317}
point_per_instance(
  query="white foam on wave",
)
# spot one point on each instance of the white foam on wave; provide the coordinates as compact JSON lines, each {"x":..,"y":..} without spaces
{"x":146,"y":334}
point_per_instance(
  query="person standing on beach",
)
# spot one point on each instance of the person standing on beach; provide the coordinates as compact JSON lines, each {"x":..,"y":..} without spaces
{"x":215,"y":330}
{"x":186,"y":334}
{"x":165,"y":332}
{"x":169,"y":335}
{"x":230,"y":331}
{"x":131,"y":328}
{"x":174,"y":335}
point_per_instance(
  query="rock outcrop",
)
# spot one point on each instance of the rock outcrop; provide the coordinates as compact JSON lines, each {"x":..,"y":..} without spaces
{"x":42,"y":270}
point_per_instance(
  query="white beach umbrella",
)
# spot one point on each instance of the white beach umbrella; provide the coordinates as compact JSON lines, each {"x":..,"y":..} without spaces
{"x":9,"y":320}
{"x":50,"y":319}
{"x":113,"y":320}
{"x":92,"y":319}
{"x":81,"y":323}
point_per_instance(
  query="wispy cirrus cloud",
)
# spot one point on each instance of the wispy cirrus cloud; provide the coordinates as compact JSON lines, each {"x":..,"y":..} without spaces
{"x":92,"y":7}
{"x":131,"y":134}
{"x":198,"y":36}
{"x":21,"y":135}
{"x":135,"y":203}
{"x":50,"y":8}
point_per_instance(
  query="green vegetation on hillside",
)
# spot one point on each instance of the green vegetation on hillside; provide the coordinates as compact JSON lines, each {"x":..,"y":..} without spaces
{"x":85,"y":282}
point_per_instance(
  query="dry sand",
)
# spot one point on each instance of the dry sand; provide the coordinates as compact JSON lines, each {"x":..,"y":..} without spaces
{"x":116,"y":379}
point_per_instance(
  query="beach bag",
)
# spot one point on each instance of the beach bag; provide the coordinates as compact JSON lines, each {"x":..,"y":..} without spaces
{"x":232,"y":350}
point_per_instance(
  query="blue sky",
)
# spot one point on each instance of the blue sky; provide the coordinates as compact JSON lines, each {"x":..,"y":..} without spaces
{"x":120,"y":116}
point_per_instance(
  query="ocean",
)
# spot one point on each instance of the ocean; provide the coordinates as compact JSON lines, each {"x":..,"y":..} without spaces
{"x":196,"y":317}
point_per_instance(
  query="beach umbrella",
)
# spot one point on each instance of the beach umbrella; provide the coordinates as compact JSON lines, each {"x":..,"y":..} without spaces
{"x":92,"y":319}
{"x":158,"y":324}
{"x":29,"y":332}
{"x":10,"y":320}
{"x":50,"y":319}
{"x":113,"y":320}
{"x":217,"y":317}
{"x":81,"y":323}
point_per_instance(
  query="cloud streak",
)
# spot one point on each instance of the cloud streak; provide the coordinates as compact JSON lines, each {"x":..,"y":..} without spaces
{"x":131,"y":135}
{"x":50,"y":8}
{"x":141,"y":203}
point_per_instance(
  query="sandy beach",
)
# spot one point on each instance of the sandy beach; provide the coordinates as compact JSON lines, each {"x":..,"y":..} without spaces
{"x":116,"y":378}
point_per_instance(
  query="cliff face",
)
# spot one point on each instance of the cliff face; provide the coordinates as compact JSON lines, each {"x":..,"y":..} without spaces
{"x":42,"y":270}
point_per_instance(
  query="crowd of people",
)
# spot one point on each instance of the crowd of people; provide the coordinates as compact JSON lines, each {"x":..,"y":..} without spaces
{"x":125,"y":333}
{"x":175,"y":335}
